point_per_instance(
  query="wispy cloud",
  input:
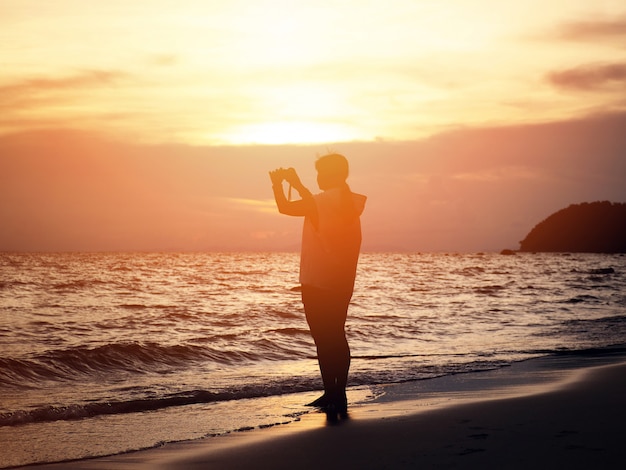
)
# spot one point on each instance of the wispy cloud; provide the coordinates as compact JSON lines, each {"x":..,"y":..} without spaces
{"x":85,"y":79}
{"x":41,"y":91}
{"x":36,"y":101}
{"x":264,"y":205}
{"x":593,"y":29}
{"x":590,"y":77}
{"x":164,"y":60}
{"x":506,"y":173}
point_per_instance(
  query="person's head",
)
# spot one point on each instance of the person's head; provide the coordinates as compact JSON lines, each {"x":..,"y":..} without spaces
{"x":332,"y":171}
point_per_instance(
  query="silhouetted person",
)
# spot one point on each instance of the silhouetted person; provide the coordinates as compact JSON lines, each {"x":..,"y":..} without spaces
{"x":331,"y":239}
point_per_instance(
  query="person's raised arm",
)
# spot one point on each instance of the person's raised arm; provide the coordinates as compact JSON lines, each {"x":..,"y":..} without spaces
{"x":302,"y":207}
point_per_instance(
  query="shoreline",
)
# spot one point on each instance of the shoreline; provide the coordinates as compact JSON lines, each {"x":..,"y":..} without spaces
{"x":545,"y":412}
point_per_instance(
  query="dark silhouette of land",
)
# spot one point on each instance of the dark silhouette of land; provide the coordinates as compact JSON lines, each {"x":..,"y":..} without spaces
{"x":596,"y":227}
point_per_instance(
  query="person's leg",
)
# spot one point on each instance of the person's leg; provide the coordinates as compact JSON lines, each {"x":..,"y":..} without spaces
{"x":326,"y":315}
{"x":341,"y":366}
{"x":314,"y":309}
{"x":334,"y":359}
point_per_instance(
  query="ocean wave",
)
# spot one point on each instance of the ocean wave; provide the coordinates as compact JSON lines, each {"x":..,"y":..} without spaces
{"x":489,"y":290}
{"x":602,"y":322}
{"x":77,"y":362}
{"x":365,"y":377}
{"x":608,"y":270}
{"x":291,"y":331}
{"x":90,"y":410}
{"x":77,"y":285}
{"x":582,"y":298}
{"x":470,"y":271}
{"x":617,"y":349}
{"x":77,"y":411}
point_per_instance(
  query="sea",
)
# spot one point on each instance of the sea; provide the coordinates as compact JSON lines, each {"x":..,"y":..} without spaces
{"x":106,"y":353}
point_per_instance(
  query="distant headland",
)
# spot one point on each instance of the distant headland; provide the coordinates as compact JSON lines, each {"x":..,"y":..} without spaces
{"x":596,"y":227}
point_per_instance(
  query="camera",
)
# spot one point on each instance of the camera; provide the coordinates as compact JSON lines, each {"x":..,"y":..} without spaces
{"x":283,"y":174}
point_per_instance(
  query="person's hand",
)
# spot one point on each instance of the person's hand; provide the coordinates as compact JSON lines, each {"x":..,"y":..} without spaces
{"x":292,"y":177}
{"x":277,"y":176}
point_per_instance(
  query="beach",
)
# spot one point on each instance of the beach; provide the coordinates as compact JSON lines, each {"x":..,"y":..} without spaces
{"x":545,"y":413}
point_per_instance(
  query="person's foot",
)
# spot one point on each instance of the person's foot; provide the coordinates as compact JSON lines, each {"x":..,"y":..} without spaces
{"x":320,"y":402}
{"x":340,"y":402}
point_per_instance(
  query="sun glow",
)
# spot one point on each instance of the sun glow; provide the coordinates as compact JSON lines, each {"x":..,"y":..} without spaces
{"x":292,"y":132}
{"x":302,"y":113}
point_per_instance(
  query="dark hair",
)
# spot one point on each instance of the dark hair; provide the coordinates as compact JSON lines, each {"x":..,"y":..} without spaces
{"x":333,"y":165}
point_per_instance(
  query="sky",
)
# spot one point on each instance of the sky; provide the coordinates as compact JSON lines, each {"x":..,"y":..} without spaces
{"x":151,"y":125}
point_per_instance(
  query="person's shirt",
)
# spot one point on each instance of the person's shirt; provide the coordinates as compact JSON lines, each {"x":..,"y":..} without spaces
{"x":331,"y":240}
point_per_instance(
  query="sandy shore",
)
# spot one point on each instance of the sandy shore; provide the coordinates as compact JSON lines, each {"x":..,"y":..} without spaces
{"x":576,"y":420}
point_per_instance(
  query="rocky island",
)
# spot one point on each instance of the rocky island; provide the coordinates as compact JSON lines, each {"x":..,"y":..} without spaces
{"x":596,"y":227}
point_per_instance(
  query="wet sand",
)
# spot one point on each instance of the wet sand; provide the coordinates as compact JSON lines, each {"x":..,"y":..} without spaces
{"x":569,"y":417}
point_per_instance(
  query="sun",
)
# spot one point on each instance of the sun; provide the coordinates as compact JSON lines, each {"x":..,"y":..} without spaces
{"x":303,"y":112}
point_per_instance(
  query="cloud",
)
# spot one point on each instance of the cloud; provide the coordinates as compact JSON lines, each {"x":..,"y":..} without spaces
{"x":592,"y":30}
{"x":590,"y":77}
{"x":35,"y":92}
{"x":266,"y":205}
{"x":504,"y":173}
{"x":164,"y":60}
{"x":85,"y":79}
{"x":33,"y":102}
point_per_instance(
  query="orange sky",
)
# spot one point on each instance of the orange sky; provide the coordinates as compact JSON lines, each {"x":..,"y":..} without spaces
{"x":148,"y":124}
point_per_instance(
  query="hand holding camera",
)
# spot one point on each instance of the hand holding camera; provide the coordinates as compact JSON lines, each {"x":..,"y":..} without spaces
{"x":281,"y":174}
